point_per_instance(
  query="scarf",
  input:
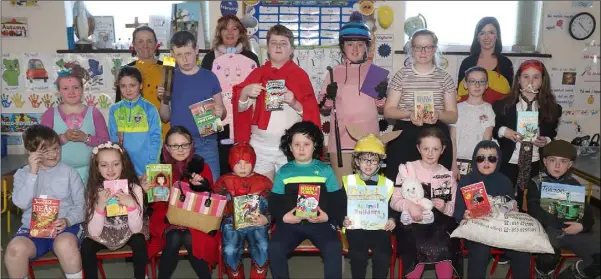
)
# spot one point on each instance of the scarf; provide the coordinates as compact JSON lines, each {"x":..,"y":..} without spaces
{"x":221,"y":50}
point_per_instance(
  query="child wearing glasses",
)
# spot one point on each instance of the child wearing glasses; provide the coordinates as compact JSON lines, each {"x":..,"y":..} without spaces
{"x":475,"y":117}
{"x":485,"y":168}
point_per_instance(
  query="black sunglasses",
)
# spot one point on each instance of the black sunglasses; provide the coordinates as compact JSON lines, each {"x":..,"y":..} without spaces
{"x":490,"y":158}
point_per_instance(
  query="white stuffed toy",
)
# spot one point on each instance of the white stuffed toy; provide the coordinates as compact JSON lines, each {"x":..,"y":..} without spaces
{"x":413,"y":192}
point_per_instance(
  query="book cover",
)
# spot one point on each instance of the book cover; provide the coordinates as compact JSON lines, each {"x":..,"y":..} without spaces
{"x":44,"y":211}
{"x":375,"y":75}
{"x":476,"y":199}
{"x":307,"y":201}
{"x":424,"y":105}
{"x":206,"y":122}
{"x":563,"y":201}
{"x":527,"y":125}
{"x":112,"y":206}
{"x":159,"y":178}
{"x":274,"y":95}
{"x":367,"y":207}
{"x":245,"y":207}
{"x":464,"y":166}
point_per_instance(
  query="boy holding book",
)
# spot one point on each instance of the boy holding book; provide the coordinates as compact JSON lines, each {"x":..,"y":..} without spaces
{"x":45,"y":176}
{"x":558,"y":157}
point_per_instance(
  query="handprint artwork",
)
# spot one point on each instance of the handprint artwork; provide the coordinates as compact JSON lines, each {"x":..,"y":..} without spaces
{"x":5,"y":101}
{"x":18,"y":100}
{"x":47,"y":100}
{"x":33,"y":99}
{"x":59,"y":100}
{"x":90,"y":101}
{"x":104,"y":101}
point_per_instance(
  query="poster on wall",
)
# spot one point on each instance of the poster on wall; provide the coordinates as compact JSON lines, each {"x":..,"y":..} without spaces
{"x":15,"y":27}
{"x":384,"y":51}
{"x":38,"y":69}
{"x":104,"y":32}
{"x":12,"y":76}
{"x":19,"y":122}
{"x":24,"y":3}
{"x":160,"y":24}
{"x":563,"y":84}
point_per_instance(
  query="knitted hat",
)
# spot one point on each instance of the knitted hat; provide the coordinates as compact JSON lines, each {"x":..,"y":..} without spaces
{"x":242,"y":151}
{"x":560,"y":148}
{"x":355,"y":29}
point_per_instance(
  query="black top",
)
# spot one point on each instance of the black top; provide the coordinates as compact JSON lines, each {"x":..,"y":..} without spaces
{"x":504,"y":67}
{"x":207,"y":60}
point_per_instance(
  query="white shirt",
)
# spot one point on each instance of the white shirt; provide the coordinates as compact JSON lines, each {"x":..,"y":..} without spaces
{"x":472,"y":122}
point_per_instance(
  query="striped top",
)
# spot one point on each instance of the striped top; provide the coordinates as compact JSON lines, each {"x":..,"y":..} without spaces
{"x":408,"y":81}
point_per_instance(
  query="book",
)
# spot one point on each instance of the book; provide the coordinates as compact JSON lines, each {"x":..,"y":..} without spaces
{"x":367,"y":207}
{"x":476,"y":200}
{"x":112,"y":206}
{"x":206,"y":122}
{"x":245,"y":207}
{"x":274,"y":95}
{"x":375,"y":75}
{"x":424,"y":105}
{"x":159,"y":178}
{"x":464,"y":166}
{"x":44,"y":212}
{"x":307,"y":201}
{"x":527,"y":125}
{"x":563,"y":201}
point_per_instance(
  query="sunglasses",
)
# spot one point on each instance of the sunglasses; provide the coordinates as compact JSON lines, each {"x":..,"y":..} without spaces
{"x":490,"y":158}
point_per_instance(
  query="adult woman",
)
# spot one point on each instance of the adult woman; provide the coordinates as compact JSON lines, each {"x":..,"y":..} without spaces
{"x":230,"y":38}
{"x":486,"y":52}
{"x":422,"y":75}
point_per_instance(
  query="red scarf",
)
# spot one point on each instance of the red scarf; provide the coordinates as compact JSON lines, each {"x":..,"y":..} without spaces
{"x":297,"y":81}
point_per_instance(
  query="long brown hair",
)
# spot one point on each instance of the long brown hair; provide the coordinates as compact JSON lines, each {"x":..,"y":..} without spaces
{"x":222,"y":24}
{"x":95,"y":179}
{"x":547,"y":105}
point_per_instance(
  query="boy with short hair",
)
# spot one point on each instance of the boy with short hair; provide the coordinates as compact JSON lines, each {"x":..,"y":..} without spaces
{"x":475,"y":118}
{"x":46,"y":176}
{"x":192,"y":84}
{"x":558,"y":157}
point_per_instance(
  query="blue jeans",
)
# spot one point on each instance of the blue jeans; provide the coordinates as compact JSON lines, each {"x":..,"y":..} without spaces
{"x":233,"y":244}
{"x":206,"y":147}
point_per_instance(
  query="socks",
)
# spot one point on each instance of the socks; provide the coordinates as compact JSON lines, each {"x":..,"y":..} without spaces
{"x":77,"y":275}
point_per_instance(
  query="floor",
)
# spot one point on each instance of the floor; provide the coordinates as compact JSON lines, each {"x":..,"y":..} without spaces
{"x":301,"y":266}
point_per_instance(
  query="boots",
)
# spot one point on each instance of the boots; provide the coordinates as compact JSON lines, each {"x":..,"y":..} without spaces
{"x":258,"y":272}
{"x":235,"y":274}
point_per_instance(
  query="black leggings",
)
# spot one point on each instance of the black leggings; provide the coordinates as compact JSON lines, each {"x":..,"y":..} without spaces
{"x":170,"y":257}
{"x":89,"y":248}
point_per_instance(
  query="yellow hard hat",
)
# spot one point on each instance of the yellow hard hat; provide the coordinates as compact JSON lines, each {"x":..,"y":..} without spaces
{"x":370,"y":143}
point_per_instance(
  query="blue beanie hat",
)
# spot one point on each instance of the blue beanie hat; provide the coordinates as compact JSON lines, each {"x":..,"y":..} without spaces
{"x":355,"y":29}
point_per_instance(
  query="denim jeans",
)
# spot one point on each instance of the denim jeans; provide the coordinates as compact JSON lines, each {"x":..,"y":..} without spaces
{"x":206,"y":147}
{"x":233,"y":244}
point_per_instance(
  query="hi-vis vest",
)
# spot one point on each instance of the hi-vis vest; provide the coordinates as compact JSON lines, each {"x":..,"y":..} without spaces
{"x":355,"y":179}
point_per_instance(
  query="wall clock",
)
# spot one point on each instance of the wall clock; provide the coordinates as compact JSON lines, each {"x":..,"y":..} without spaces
{"x":582,"y":26}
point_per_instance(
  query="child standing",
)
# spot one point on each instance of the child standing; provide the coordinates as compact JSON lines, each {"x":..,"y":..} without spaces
{"x":475,"y":118}
{"x":244,"y":181}
{"x":134,"y":121}
{"x":421,"y":244}
{"x":303,"y":144}
{"x":110,"y":162}
{"x":485,"y":168}
{"x":263,"y":128}
{"x":367,"y":157}
{"x":46,"y":176}
{"x":558,"y":157}
{"x":80,"y":127}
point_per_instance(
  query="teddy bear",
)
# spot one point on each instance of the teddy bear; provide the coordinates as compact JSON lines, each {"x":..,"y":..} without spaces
{"x":413,"y":192}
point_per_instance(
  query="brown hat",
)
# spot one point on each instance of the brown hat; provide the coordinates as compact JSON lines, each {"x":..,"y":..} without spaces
{"x":560,"y":148}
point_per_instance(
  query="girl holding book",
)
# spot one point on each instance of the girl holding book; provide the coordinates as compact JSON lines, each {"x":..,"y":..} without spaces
{"x":424,"y":238}
{"x":111,"y":162}
{"x":420,"y":77}
{"x":531,"y":92}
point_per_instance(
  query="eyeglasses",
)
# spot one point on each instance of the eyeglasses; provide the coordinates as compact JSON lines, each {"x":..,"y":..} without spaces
{"x":478,"y":82}
{"x":366,"y":161}
{"x":182,"y":146}
{"x":428,"y":49}
{"x":480,"y":159}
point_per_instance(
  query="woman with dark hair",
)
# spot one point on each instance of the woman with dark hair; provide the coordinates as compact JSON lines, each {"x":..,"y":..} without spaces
{"x":486,"y":52}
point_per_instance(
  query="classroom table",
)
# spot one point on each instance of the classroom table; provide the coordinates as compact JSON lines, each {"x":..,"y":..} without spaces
{"x":587,"y":166}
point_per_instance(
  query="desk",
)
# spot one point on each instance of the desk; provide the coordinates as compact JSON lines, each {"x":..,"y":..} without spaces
{"x":12,"y":163}
{"x":587,"y":167}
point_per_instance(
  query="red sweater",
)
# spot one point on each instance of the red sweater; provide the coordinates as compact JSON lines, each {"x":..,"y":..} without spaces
{"x":297,"y":81}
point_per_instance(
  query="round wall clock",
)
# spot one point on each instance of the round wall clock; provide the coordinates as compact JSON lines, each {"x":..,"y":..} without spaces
{"x":582,"y":26}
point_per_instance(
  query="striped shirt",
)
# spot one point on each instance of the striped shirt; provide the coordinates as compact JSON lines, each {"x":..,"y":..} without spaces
{"x":408,"y":81}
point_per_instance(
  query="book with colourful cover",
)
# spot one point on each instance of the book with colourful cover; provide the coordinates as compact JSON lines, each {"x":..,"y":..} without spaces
{"x":159,"y":178}
{"x":307,"y":201}
{"x":274,"y":94}
{"x":206,"y":122}
{"x":527,"y":125}
{"x":464,"y":167}
{"x":44,"y":212}
{"x":367,"y":207}
{"x":375,"y":75}
{"x":424,"y":105}
{"x":112,"y":206}
{"x":476,"y":200}
{"x":563,"y":201}
{"x":245,"y":208}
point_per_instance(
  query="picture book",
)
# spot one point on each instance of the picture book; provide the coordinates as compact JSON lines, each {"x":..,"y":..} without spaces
{"x":159,"y":178}
{"x":563,"y":201}
{"x":367,"y":207}
{"x":527,"y":125}
{"x":206,"y":122}
{"x":274,"y":95}
{"x":476,"y":200}
{"x":375,"y":75}
{"x":307,"y":201}
{"x":424,"y":105}
{"x":464,"y":166}
{"x":112,"y":206}
{"x":44,"y":212}
{"x":245,"y":207}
